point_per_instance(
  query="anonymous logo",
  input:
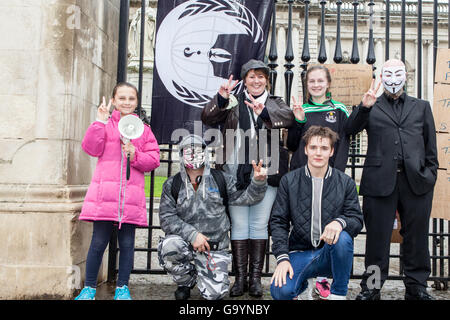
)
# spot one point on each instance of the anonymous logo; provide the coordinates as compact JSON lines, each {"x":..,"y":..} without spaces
{"x":185,"y":51}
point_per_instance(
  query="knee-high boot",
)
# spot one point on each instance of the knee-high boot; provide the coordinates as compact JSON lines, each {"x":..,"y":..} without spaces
{"x":239,"y":250}
{"x":257,"y":251}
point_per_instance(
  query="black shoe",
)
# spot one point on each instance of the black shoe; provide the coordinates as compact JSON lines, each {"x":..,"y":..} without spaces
{"x":369,"y":295}
{"x":257,"y":251}
{"x":419,"y":295}
{"x":183,"y":293}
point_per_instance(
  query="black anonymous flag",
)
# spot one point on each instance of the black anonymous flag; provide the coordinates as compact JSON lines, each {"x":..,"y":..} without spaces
{"x":199,"y":44}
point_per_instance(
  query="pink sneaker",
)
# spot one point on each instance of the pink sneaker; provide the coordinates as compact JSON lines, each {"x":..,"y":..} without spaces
{"x":323,"y":289}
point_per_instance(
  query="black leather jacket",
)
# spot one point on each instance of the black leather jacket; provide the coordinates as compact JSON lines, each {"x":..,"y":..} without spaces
{"x":293,"y":207}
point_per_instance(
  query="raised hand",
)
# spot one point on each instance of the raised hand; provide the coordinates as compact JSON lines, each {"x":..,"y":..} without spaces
{"x":259,"y":173}
{"x":369,"y":98}
{"x":297,"y":109}
{"x":226,"y":88}
{"x":103,"y":110}
{"x":256,"y":106}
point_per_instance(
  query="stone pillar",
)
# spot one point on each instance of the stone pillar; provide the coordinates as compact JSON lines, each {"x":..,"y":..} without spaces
{"x":379,"y":54}
{"x":134,"y":38}
{"x":55,"y":68}
{"x":365,"y":50}
{"x":281,"y":48}
{"x":430,"y":72}
{"x":330,"y":49}
{"x":296,"y":84}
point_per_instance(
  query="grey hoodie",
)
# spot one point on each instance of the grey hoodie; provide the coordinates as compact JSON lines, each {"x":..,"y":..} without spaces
{"x":202,"y":210}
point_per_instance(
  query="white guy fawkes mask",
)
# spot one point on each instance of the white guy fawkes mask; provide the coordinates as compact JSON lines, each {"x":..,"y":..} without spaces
{"x":393,"y":78}
{"x":194,"y":157}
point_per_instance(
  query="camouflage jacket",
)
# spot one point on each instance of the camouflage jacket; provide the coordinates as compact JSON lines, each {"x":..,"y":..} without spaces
{"x":202,"y":210}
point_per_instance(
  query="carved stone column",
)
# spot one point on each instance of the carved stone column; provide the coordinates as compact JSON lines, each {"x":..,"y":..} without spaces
{"x":58,"y":64}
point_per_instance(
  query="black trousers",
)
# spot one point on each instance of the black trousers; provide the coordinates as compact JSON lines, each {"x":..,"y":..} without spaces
{"x":100,"y":238}
{"x":379,"y":215}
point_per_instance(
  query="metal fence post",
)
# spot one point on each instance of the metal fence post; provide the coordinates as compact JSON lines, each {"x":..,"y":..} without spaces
{"x":121,"y":77}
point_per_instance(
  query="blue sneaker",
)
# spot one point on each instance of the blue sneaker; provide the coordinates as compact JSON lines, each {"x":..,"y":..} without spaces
{"x":122,"y":293}
{"x":88,"y":293}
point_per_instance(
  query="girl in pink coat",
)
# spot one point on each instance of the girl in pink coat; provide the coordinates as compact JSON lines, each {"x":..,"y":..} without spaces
{"x":111,"y":199}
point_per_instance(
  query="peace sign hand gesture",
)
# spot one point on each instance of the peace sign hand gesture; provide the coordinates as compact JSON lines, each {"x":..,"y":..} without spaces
{"x":259,"y":173}
{"x":297,"y":109}
{"x":256,"y":106}
{"x":226,"y":88}
{"x":369,"y":98}
{"x":103,"y":110}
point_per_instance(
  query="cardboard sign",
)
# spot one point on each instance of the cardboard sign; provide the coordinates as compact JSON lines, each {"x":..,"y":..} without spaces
{"x":349,"y":82}
{"x":442,"y":74}
{"x":441,"y":198}
{"x":443,"y":148}
{"x":441,"y":107}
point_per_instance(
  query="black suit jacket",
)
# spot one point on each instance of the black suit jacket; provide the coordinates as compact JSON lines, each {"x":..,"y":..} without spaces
{"x":415,"y":132}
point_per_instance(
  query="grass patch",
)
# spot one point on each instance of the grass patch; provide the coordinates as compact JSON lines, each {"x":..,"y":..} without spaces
{"x":158,"y":183}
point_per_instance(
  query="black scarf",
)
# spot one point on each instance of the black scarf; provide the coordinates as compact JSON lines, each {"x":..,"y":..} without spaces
{"x":245,"y":121}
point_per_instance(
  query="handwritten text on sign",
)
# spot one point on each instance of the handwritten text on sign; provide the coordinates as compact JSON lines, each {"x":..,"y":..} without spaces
{"x":442,"y":74}
{"x":441,"y":107}
{"x":349,"y":82}
{"x":443,"y":145}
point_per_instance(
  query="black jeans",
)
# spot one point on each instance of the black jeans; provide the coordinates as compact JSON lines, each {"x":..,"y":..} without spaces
{"x":379,"y":215}
{"x":100,"y":239}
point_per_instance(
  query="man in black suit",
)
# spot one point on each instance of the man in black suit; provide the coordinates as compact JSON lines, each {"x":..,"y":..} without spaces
{"x":399,"y":174}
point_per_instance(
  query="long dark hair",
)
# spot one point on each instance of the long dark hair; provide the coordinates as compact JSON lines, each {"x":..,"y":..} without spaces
{"x":327,"y":74}
{"x":124,"y":84}
{"x":143,"y":114}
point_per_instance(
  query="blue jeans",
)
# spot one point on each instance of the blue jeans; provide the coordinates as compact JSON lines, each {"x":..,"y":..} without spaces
{"x":329,"y":261}
{"x":250,"y":222}
{"x":100,"y":239}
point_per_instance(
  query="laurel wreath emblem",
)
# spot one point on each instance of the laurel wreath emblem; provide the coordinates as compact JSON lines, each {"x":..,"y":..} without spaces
{"x":229,"y":7}
{"x":190,"y":96}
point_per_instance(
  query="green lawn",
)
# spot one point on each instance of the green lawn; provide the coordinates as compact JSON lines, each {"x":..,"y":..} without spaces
{"x":159,"y":181}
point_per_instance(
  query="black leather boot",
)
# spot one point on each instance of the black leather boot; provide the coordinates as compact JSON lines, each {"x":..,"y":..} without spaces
{"x":257,"y":251}
{"x":239,"y":250}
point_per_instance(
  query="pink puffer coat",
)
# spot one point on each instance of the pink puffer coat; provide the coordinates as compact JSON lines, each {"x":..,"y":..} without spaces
{"x":107,"y":186}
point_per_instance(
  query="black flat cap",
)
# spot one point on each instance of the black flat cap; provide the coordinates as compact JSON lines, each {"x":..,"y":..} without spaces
{"x":253,"y":64}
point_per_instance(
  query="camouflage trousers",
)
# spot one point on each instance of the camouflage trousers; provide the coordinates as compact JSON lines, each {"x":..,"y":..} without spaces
{"x":187,"y":267}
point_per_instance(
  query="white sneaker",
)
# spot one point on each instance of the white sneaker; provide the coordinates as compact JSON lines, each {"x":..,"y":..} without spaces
{"x":336,"y":297}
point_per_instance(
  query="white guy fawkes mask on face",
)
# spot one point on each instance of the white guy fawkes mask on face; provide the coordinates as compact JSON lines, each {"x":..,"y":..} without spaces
{"x":393,"y":78}
{"x":194,"y":157}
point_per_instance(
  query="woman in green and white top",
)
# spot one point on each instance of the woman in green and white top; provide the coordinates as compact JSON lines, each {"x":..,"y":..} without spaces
{"x":320,"y":110}
{"x":323,"y":111}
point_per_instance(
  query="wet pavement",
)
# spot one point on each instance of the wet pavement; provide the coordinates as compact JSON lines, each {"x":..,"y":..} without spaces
{"x":161,"y":287}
